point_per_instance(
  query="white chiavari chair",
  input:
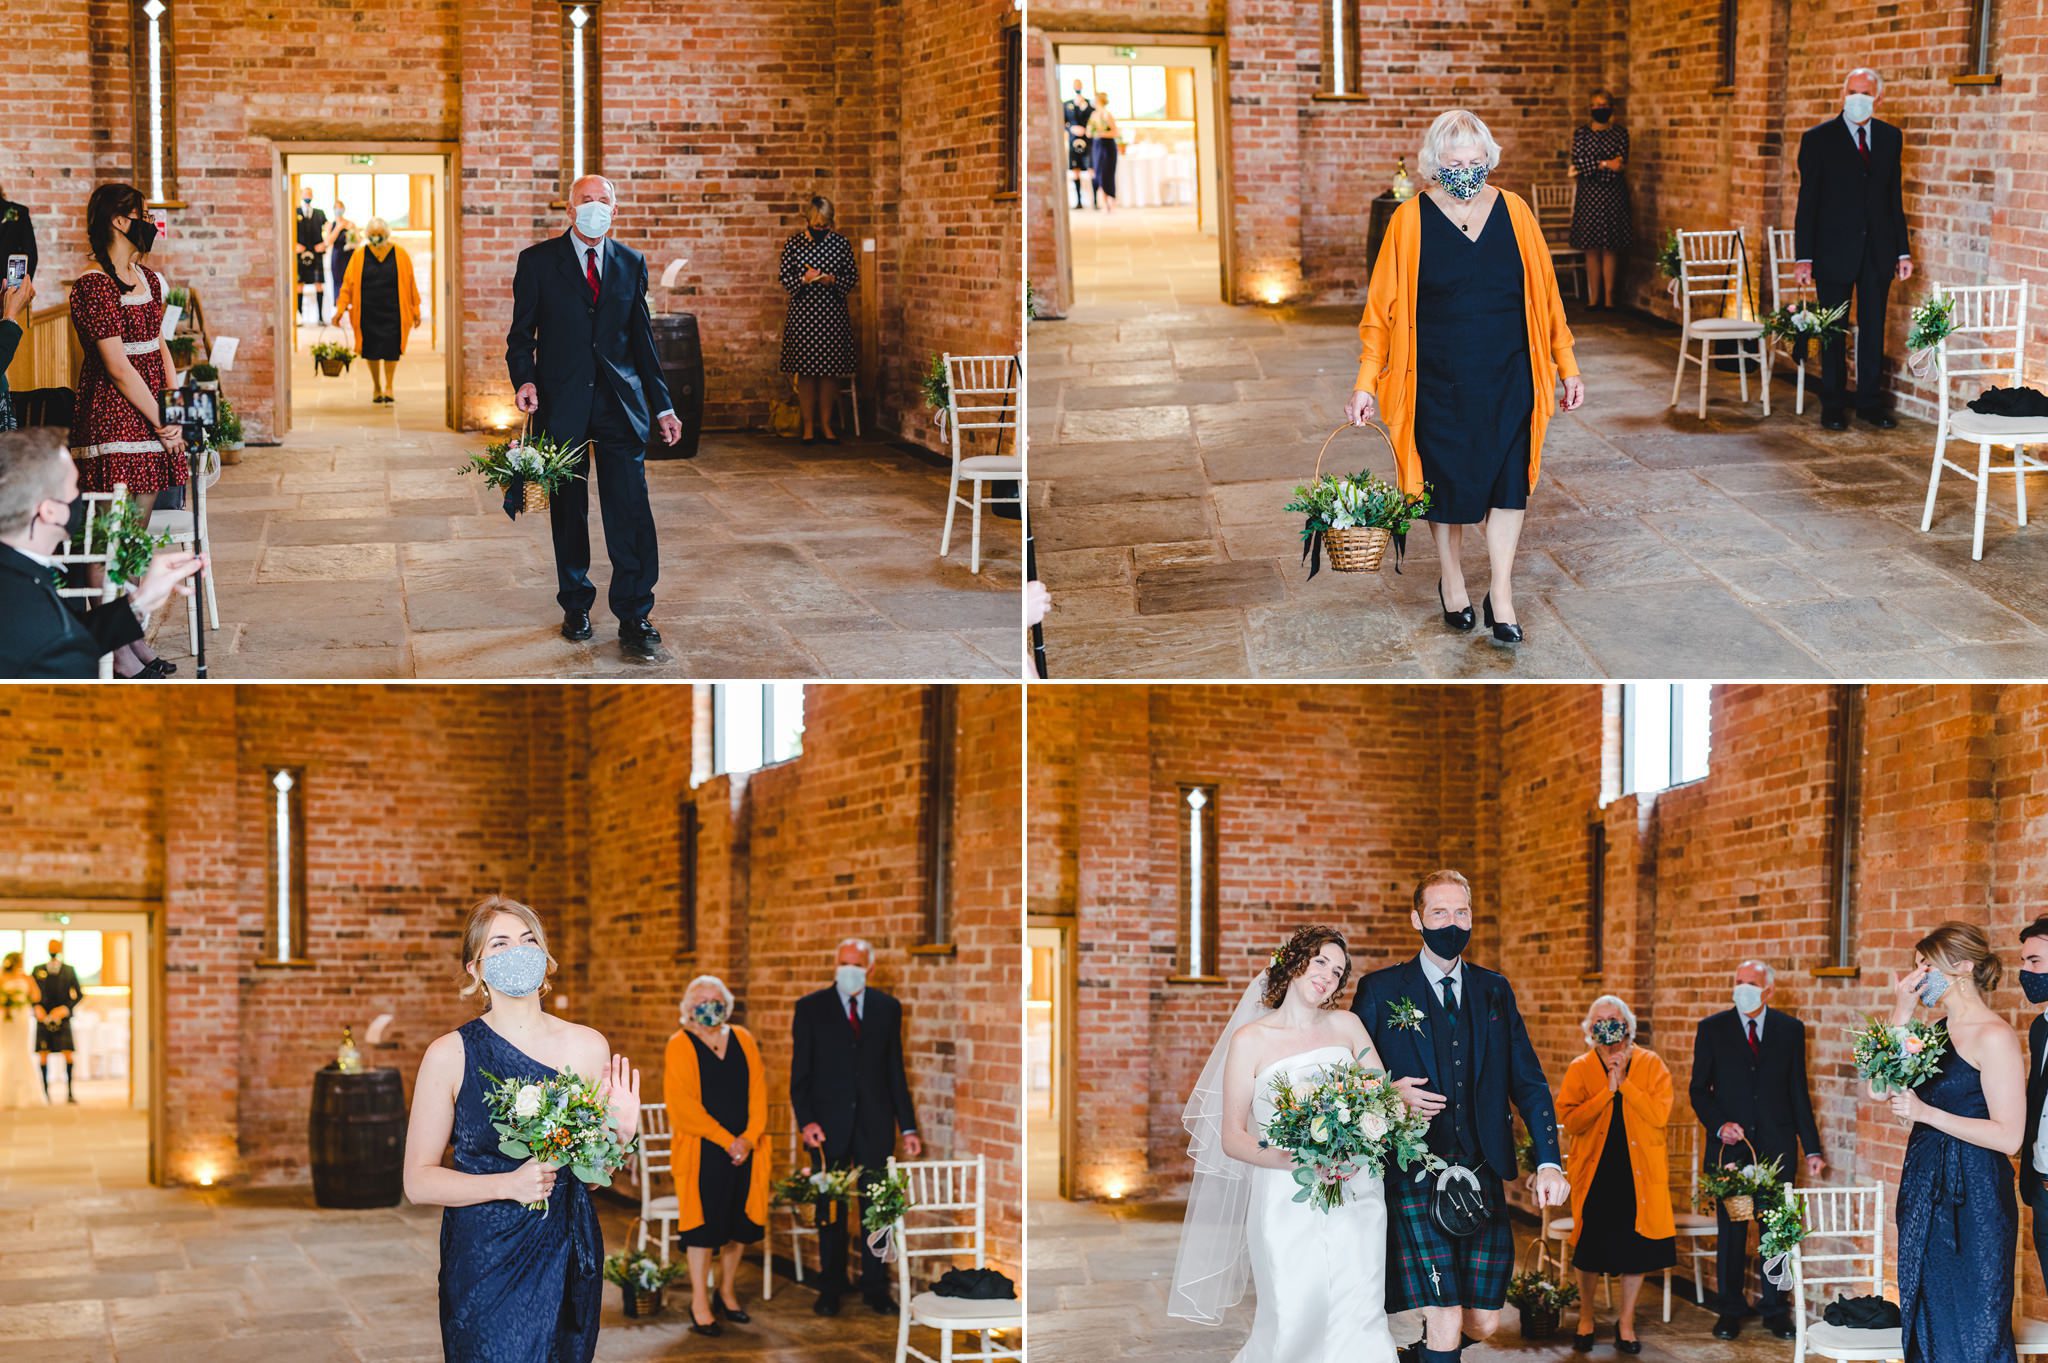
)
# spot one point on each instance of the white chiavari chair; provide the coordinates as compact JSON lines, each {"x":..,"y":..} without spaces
{"x":948,"y":1221}
{"x":1843,"y":1249}
{"x":1713,"y":274}
{"x":981,"y":395}
{"x":1555,"y":203}
{"x":1988,"y":344}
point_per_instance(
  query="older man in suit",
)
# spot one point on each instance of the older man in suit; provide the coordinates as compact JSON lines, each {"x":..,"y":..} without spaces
{"x":1749,"y":1089}
{"x":1850,"y":237}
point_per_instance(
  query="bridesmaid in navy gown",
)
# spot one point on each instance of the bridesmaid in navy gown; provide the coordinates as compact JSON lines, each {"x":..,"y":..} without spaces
{"x":1958,"y":1217}
{"x":517,"y":1286}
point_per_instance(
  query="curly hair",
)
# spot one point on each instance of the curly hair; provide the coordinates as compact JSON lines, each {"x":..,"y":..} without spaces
{"x":1293,"y":957}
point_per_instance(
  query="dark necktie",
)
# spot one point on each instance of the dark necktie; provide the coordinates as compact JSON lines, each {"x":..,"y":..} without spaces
{"x":1863,"y":144}
{"x":1753,"y":1048}
{"x":590,"y":272}
{"x":853,"y":1017}
{"x":1450,"y":999}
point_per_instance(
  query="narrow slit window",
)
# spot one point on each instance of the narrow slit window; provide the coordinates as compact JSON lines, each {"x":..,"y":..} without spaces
{"x":156,"y":101}
{"x":941,"y":726}
{"x":686,"y":886}
{"x":1725,"y":77}
{"x":582,"y":87}
{"x":284,"y":934}
{"x":1845,"y":819}
{"x":1013,"y":109}
{"x":1340,"y":47}
{"x":1197,"y":817}
{"x":1983,"y":24}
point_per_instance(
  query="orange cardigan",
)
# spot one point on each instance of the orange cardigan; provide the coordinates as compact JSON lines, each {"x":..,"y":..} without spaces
{"x":1585,"y":1108}
{"x":683,"y":1089}
{"x":349,"y":298}
{"x":1386,"y":361}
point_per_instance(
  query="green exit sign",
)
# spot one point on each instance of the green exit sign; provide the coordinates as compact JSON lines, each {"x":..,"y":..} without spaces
{"x":1127,"y":53}
{"x":360,"y":160}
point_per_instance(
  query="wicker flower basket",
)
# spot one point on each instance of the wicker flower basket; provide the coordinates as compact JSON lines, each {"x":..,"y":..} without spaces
{"x":1356,"y":549}
{"x":1741,"y":1207}
{"x":638,"y":1303}
{"x":532,"y":496}
{"x":1541,"y":1321}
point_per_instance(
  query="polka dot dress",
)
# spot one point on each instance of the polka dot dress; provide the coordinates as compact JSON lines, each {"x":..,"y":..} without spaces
{"x":1600,"y":217}
{"x":817,"y":336}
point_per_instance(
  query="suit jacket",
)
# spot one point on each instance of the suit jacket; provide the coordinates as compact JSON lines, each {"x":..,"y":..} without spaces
{"x":1847,"y":208}
{"x":45,"y":635}
{"x":57,"y":988}
{"x":2037,"y":1087}
{"x":564,"y":345}
{"x":1505,"y":1062}
{"x":855,"y":1088}
{"x":1765,"y":1093}
{"x":311,"y":227}
{"x":17,"y":236}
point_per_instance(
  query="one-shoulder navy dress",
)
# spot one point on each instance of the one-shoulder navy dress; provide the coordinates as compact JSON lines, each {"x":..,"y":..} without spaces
{"x":517,"y":1286}
{"x":1959,"y":1226}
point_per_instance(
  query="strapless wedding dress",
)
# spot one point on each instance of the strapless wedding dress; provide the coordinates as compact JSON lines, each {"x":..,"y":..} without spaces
{"x":1321,"y":1277}
{"x":19,"y":1086}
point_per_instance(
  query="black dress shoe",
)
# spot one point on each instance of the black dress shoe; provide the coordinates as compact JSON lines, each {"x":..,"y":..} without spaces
{"x":1627,"y":1346}
{"x":881,"y":1306}
{"x":1884,"y":421}
{"x":731,"y":1313}
{"x":1460,"y":620}
{"x":156,"y":669}
{"x":1583,"y":1344}
{"x":1833,"y":421}
{"x":1727,"y":1327}
{"x":640,"y":640}
{"x":1503,"y":631}
{"x":1781,"y":1327}
{"x":826,"y":1306}
{"x":576,"y":625}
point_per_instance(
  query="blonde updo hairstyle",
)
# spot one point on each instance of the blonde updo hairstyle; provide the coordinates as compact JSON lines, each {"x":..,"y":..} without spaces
{"x":819,"y":215}
{"x":1957,"y":947}
{"x":478,"y":933}
{"x":1293,"y":957}
{"x":11,"y":964}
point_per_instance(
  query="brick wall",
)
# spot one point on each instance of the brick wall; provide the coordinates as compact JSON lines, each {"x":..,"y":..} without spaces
{"x":717,"y":125}
{"x":421,"y":799}
{"x":1505,"y":782}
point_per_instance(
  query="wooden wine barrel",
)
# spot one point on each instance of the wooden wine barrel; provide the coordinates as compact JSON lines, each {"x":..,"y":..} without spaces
{"x":357,"y":1135}
{"x":682,"y":369}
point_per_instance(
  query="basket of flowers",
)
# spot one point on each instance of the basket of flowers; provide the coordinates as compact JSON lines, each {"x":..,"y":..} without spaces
{"x":1354,"y":516}
{"x":1738,"y":1186}
{"x":1540,"y":1293}
{"x":529,"y":468}
{"x":641,"y":1278}
{"x":802,"y":1188}
{"x":332,"y":357}
{"x":1796,"y":322}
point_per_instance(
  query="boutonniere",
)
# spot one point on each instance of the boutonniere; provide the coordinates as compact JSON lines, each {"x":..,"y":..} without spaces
{"x":13,"y":214}
{"x":1403,"y":1014}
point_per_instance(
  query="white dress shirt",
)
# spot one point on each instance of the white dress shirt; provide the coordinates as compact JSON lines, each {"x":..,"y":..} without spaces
{"x":1745,"y":1019}
{"x":603,"y":249}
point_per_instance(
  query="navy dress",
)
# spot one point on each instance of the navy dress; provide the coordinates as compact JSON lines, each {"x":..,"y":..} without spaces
{"x":517,"y":1286}
{"x":1473,"y":389}
{"x":1958,"y":1230}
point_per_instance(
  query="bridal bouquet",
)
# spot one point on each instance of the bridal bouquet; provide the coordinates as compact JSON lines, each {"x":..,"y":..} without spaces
{"x":11,"y":999}
{"x":1892,"y":1059}
{"x":1350,"y":1121}
{"x":562,"y":1122}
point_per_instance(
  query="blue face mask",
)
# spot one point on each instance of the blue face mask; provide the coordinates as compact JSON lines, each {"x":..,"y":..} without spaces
{"x":1858,"y":107}
{"x":593,"y":220}
{"x":1933,"y":987}
{"x":2034,"y":984}
{"x":709,"y":1013}
{"x":517,"y":972}
{"x":1463,"y":181}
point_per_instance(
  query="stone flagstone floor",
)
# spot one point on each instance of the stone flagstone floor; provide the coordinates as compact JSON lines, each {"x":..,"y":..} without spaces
{"x":1097,"y":1286}
{"x":354,"y":549}
{"x":1168,"y":430}
{"x":101,"y":1266}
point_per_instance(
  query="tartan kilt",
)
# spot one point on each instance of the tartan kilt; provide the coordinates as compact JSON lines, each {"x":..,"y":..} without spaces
{"x":1471,"y":1272}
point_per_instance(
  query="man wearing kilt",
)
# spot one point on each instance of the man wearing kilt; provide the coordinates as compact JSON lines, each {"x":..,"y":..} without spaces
{"x":57,"y":997}
{"x":1455,"y":1024}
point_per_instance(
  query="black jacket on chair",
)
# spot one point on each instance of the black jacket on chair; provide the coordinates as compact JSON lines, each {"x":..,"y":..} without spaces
{"x":1766,"y":1094}
{"x":45,"y":635}
{"x":1847,"y":208}
{"x":565,"y":346}
{"x":855,"y":1088}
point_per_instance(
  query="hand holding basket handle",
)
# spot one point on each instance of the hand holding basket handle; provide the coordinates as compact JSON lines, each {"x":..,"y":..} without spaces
{"x":1362,"y":408}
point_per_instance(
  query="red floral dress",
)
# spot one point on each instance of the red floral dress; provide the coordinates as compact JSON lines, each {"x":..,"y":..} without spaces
{"x":113,"y":442}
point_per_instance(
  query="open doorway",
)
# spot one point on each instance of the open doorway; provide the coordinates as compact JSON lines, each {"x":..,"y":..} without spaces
{"x":1048,"y":1058}
{"x":409,"y":188}
{"x":1164,"y":240}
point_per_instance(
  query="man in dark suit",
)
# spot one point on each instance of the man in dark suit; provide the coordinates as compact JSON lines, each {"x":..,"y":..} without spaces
{"x":581,"y":352}
{"x":1850,"y":237}
{"x":57,"y":997}
{"x":1749,"y":1084}
{"x":41,"y":633}
{"x":1441,"y":1017}
{"x":849,"y":1093}
{"x":1077,"y":111}
{"x":2034,"y":1147}
{"x":310,"y":232}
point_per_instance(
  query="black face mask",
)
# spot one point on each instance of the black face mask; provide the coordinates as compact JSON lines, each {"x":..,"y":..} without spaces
{"x":141,"y":234}
{"x":1601,"y":115}
{"x":1448,"y":943}
{"x":2034,"y":984}
{"x":74,"y":521}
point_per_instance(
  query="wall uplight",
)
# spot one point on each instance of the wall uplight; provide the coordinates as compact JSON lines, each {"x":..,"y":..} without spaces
{"x":1114,"y":1189}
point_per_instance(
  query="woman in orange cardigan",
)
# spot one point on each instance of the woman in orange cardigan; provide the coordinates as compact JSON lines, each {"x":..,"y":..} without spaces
{"x":1614,"y":1102}
{"x":1463,"y":342}
{"x":384,"y":297}
{"x":717,"y":1095}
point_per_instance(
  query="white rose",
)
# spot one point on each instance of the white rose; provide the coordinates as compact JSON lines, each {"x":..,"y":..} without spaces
{"x":1304,"y":1089}
{"x":1373,"y":1126}
{"x":527,"y":1104}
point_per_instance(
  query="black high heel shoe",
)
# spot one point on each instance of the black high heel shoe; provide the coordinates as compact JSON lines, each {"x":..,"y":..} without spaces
{"x":714,"y":1328}
{"x":1460,"y":620}
{"x":1504,"y":632}
{"x":731,"y":1313}
{"x":1583,"y":1344}
{"x":1627,"y":1346}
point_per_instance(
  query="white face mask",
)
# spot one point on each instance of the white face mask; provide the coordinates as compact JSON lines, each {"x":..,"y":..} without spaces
{"x":593,"y":220}
{"x":1858,"y":107}
{"x":851,"y":978}
{"x":1748,"y":998}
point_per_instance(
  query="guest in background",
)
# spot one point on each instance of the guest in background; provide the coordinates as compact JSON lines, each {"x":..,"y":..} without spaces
{"x":850,"y":1095}
{"x":17,"y":1037}
{"x":17,"y":234}
{"x":1077,"y":111}
{"x":340,"y":235}
{"x":1103,"y":133}
{"x":1615,"y":1100}
{"x":118,"y":435}
{"x":311,"y":235}
{"x":58,"y":995}
{"x":15,"y":304}
{"x":1462,"y":339}
{"x":1850,"y":237}
{"x":382,"y":297}
{"x":42,"y":634}
{"x":1749,"y":1085}
{"x":1600,"y":217}
{"x":2034,"y":1146}
{"x":717,"y":1096}
{"x":818,"y":269}
{"x":1958,"y":1221}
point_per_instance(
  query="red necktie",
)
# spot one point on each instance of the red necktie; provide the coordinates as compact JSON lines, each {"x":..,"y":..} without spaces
{"x":853,"y":1017}
{"x":590,"y":272}
{"x":1863,"y":144}
{"x":1753,"y":1050}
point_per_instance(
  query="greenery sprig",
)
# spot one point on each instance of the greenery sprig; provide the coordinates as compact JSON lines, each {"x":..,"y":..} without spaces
{"x":124,"y":529}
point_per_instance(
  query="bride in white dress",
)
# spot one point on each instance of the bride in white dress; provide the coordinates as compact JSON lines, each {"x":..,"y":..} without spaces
{"x":1320,"y":1276}
{"x":19,"y":1086}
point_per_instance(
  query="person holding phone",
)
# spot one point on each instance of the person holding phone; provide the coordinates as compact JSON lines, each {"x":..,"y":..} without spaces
{"x":15,"y":300}
{"x":17,"y":233}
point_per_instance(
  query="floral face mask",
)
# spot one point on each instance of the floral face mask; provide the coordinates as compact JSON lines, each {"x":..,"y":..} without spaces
{"x":1463,"y":181}
{"x":1610,"y":1031}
